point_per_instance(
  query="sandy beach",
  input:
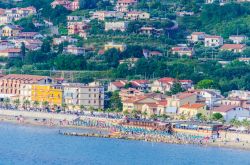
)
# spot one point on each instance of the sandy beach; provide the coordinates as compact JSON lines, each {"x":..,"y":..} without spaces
{"x":55,"y":123}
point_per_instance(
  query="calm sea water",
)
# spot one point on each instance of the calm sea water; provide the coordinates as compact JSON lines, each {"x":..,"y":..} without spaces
{"x":26,"y":145}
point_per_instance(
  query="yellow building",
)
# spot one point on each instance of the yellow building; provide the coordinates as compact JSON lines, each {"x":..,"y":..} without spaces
{"x":110,"y":45}
{"x":190,"y":110}
{"x":10,"y":31}
{"x":53,"y":94}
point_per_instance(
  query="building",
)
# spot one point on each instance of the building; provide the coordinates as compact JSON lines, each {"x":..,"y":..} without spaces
{"x":158,"y":108}
{"x":25,"y":92}
{"x":137,"y":102}
{"x":137,"y":15}
{"x":11,"y":30}
{"x":10,"y":85}
{"x":129,"y":93}
{"x":129,"y":61}
{"x":77,"y":28}
{"x":86,"y":95}
{"x":236,"y":48}
{"x":236,"y":102}
{"x":117,"y":85}
{"x":111,"y":45}
{"x":182,"y":50}
{"x":181,"y":99}
{"x":10,"y":52}
{"x":242,"y":94}
{"x":142,"y":85}
{"x":72,"y":49}
{"x":119,"y":25}
{"x":50,"y":93}
{"x":64,"y":3}
{"x":4,"y":19}
{"x":237,"y":39}
{"x":75,"y":5}
{"x":210,"y":97}
{"x":198,"y":36}
{"x":164,"y":85}
{"x":71,"y":18}
{"x":62,"y":39}
{"x":191,"y":110}
{"x":102,"y":15}
{"x":123,"y":5}
{"x":213,"y":41}
{"x":148,"y":30}
{"x":148,"y":53}
{"x":230,"y":112}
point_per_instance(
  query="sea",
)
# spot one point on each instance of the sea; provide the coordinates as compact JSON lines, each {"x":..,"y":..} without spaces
{"x":33,"y":145}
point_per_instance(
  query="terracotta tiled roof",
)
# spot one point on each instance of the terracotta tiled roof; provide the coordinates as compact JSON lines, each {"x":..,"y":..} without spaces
{"x":193,"y":106}
{"x":208,"y":36}
{"x":232,"y":46}
{"x":11,"y":50}
{"x":163,"y":103}
{"x":225,"y":108}
{"x":184,"y":95}
{"x":197,"y":33}
{"x":119,"y":84}
{"x":30,"y":78}
{"x":166,"y":80}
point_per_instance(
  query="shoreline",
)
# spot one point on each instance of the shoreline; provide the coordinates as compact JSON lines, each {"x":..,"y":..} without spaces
{"x":219,"y":143}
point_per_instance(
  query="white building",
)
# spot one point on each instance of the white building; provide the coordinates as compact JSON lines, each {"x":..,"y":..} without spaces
{"x":211,"y":97}
{"x":241,"y":94}
{"x":120,"y":25}
{"x":230,"y":112}
{"x":87,"y":95}
{"x":213,"y":41}
{"x":237,"y":39}
{"x":71,"y":49}
{"x":197,"y":36}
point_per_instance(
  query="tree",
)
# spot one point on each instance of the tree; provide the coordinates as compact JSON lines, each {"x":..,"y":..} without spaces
{"x":217,"y":116}
{"x":64,"y":107}
{"x":36,"y":104}
{"x":82,"y":108}
{"x":198,"y":116}
{"x":115,"y":101}
{"x":134,"y":113}
{"x":45,"y":104}
{"x":126,"y":113}
{"x":144,"y":114}
{"x":46,"y":46}
{"x":6,"y":101}
{"x":26,"y":103}
{"x":112,"y":57}
{"x":176,"y":88}
{"x":206,"y":84}
{"x":23,"y":50}
{"x":17,"y":102}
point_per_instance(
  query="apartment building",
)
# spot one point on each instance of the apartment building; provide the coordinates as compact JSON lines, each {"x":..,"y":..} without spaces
{"x":12,"y":84}
{"x":87,"y":95}
{"x":53,"y":94}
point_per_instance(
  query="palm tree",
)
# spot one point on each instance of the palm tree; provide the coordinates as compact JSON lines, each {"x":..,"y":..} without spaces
{"x":134,"y":113}
{"x":91,"y":109}
{"x":126,"y":113}
{"x":45,"y":104}
{"x":17,"y":103}
{"x":73,"y":107}
{"x":82,"y":107}
{"x":26,"y":103}
{"x":6,"y":102}
{"x":36,"y":104}
{"x":144,"y":114}
{"x":64,"y":106}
